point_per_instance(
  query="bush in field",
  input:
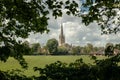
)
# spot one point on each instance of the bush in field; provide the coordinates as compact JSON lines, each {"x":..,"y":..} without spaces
{"x":108,"y":69}
{"x":13,"y":75}
{"x":61,"y":71}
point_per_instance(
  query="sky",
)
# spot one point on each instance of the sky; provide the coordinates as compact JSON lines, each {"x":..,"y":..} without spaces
{"x":76,"y":33}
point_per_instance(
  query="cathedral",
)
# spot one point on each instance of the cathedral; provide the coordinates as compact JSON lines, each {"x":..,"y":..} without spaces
{"x":61,"y":37}
{"x":62,"y":40}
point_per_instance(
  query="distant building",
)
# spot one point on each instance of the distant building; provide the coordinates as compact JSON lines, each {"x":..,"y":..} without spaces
{"x":61,"y":37}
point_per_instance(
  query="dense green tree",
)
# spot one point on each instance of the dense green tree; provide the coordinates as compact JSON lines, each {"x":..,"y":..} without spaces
{"x":95,"y":49}
{"x":104,"y":12}
{"x":86,"y":50}
{"x":109,"y":49}
{"x":20,"y":17}
{"x":89,"y":47}
{"x":75,"y":50}
{"x":36,"y":48}
{"x":27,"y":48}
{"x":62,"y":50}
{"x":52,"y":45}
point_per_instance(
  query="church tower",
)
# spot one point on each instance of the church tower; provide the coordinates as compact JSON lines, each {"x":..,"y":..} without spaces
{"x":61,"y":37}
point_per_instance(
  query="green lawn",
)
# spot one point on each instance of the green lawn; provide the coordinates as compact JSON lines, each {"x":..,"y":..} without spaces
{"x":40,"y":61}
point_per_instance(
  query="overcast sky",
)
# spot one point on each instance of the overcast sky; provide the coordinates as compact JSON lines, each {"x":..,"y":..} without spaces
{"x":76,"y":33}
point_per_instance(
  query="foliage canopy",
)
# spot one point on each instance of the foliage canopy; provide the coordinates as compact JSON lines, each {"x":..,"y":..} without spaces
{"x":105,"y":12}
{"x":52,"y":45}
{"x":20,"y":17}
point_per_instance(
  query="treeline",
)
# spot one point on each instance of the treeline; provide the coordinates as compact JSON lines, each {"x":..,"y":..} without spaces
{"x":52,"y":48}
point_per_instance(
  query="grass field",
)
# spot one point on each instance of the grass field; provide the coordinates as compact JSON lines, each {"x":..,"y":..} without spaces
{"x":40,"y":61}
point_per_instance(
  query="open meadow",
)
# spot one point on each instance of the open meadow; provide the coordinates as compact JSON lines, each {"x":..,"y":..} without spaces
{"x":41,"y":61}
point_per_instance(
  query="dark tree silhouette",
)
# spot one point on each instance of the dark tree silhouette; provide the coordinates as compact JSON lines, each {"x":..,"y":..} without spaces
{"x":20,"y":17}
{"x":104,"y":12}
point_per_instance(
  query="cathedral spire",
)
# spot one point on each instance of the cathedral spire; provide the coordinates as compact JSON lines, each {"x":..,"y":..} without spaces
{"x":61,"y":29}
{"x":61,"y":36}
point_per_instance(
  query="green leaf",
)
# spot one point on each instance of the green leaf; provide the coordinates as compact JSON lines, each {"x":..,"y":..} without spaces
{"x":67,"y":2}
{"x":68,"y":12}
